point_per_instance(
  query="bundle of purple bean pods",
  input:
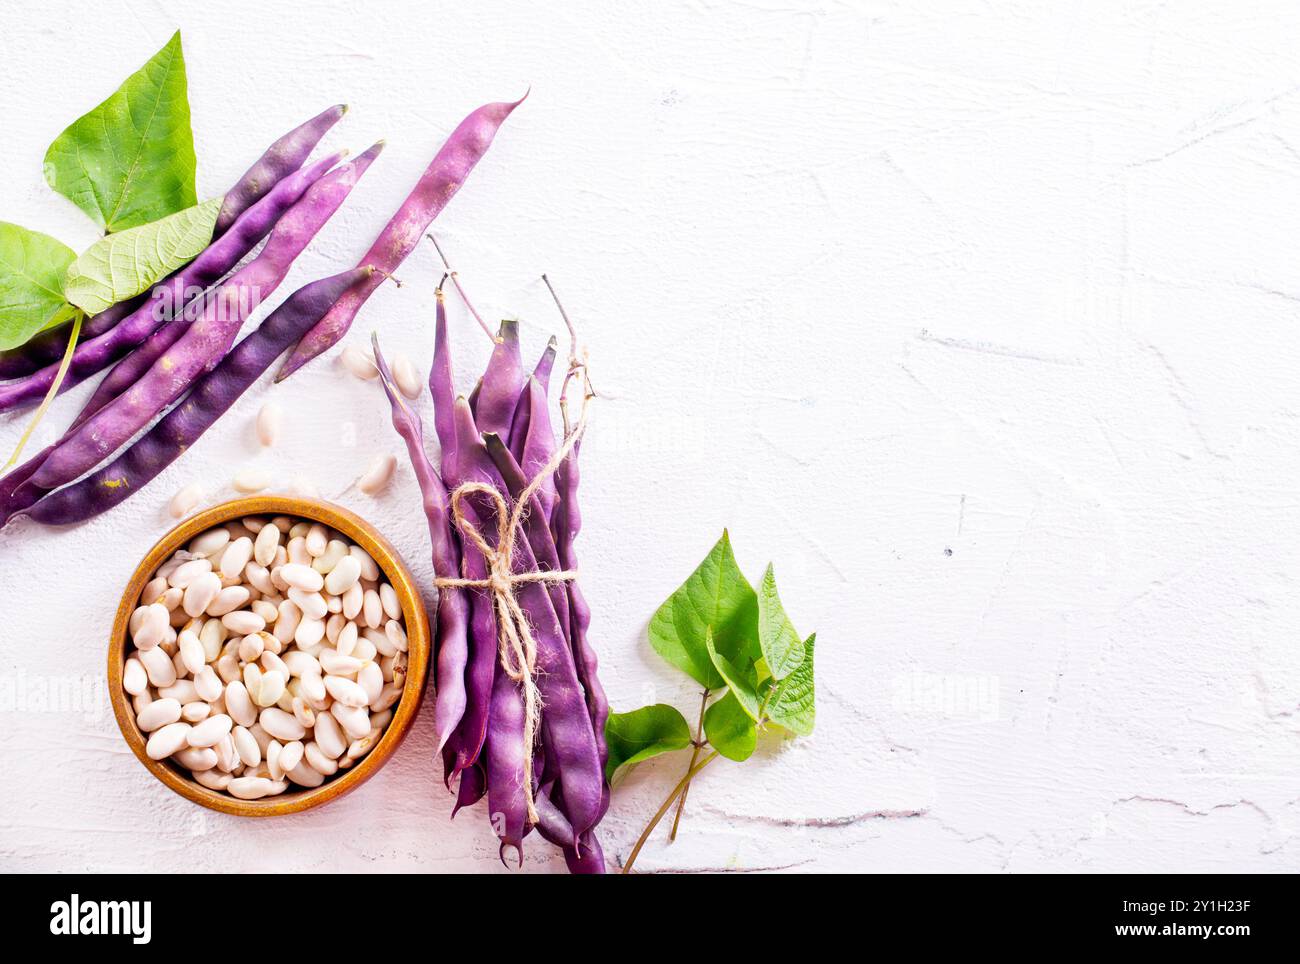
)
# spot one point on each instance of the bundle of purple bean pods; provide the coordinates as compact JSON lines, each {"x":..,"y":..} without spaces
{"x":172,"y":350}
{"x":519,"y":712}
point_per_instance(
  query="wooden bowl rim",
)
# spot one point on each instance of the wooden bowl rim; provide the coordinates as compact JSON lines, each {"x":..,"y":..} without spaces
{"x":404,"y":712}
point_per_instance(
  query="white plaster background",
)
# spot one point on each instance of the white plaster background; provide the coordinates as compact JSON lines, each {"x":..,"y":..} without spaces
{"x":864,"y":284}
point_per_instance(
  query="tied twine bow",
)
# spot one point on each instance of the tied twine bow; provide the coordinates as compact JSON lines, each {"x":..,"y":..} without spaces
{"x":516,"y":645}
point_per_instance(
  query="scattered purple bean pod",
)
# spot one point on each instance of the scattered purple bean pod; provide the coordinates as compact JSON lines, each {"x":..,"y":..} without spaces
{"x":438,"y":185}
{"x":202,"y":346}
{"x":280,"y":160}
{"x":210,"y":398}
{"x":93,"y":356}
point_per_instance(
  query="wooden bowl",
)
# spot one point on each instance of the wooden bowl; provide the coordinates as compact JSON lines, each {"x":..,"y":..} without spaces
{"x":417,"y":634}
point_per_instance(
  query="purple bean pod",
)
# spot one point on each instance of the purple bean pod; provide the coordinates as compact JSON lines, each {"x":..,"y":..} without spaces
{"x":442,"y":390}
{"x":280,"y":160}
{"x":438,"y":185}
{"x":502,"y":382}
{"x":481,"y":666}
{"x":453,"y":606}
{"x":472,"y":788}
{"x":587,"y":858}
{"x":568,"y":523}
{"x":93,"y":356}
{"x":211,"y":397}
{"x":504,"y":754}
{"x":202,"y":346}
{"x":523,"y":407}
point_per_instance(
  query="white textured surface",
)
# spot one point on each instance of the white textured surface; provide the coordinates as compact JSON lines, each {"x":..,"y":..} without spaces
{"x":863,"y":284}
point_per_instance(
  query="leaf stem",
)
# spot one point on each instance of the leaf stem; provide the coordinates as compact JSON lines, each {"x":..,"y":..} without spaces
{"x":654,"y":821}
{"x":49,"y":396}
{"x":695,"y":755}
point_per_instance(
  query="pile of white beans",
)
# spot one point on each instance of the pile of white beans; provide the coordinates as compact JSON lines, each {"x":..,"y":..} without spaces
{"x":268,"y":652}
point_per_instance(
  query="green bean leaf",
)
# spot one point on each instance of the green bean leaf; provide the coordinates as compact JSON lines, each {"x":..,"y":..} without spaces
{"x":131,"y":159}
{"x":642,"y":734}
{"x":742,"y":681}
{"x":32,"y":266}
{"x":123,"y":265}
{"x":718,"y":597}
{"x":792,"y":702}
{"x":730,"y":729}
{"x":782,"y":648}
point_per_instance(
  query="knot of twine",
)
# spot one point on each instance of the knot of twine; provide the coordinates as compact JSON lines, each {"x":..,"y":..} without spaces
{"x":516,"y":644}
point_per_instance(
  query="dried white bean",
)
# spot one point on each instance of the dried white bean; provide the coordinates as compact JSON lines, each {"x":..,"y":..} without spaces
{"x":200,"y":593}
{"x":158,"y":714}
{"x":369,"y":568}
{"x":196,"y":759}
{"x":300,"y":664}
{"x":318,"y":761}
{"x":134,"y":679}
{"x":313,"y":689}
{"x":353,"y":601}
{"x":191,"y":651}
{"x":359,"y":363}
{"x":407,"y":376}
{"x":346,"y":644}
{"x":287,"y":623}
{"x":239,"y":704}
{"x":312,"y":604}
{"x":388,"y":599}
{"x":372,"y":610}
{"x":271,"y":688}
{"x":259,"y":577}
{"x":185,"y":501}
{"x":243,"y":622}
{"x":246,"y":746}
{"x":317,"y":540}
{"x":250,"y":788}
{"x":291,"y":755}
{"x":167,"y":740}
{"x":378,"y":475}
{"x":159,"y":666}
{"x":345,"y":574}
{"x":305,"y":776}
{"x":280,"y":724}
{"x":302,"y":576}
{"x":215,"y":779}
{"x":273,"y":751}
{"x":228,"y":600}
{"x":207,"y":684}
{"x":346,"y":691}
{"x":396,"y":635}
{"x":236,"y":557}
{"x":250,"y":480}
{"x":269,"y":421}
{"x":336,"y":551}
{"x":370,"y":679}
{"x":209,"y":542}
{"x":210,"y":731}
{"x":152,"y":626}
{"x":354,"y":720}
{"x":196,"y":712}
